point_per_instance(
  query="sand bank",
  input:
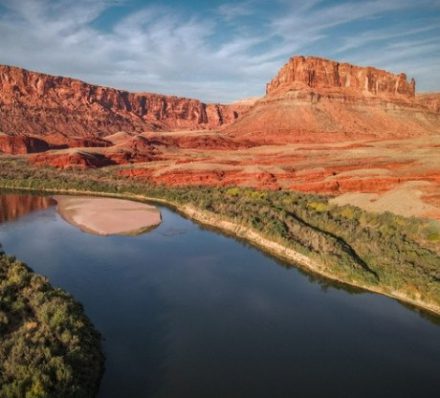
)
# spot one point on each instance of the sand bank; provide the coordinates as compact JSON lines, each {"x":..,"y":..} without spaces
{"x":107,"y":216}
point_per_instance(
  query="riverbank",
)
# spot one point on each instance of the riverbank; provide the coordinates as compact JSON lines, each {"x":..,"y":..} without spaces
{"x":253,"y":237}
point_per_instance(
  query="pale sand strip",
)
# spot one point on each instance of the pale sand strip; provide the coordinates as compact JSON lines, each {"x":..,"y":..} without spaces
{"x":107,"y":216}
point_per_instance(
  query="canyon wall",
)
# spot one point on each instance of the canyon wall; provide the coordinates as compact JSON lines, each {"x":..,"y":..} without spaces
{"x":40,"y":104}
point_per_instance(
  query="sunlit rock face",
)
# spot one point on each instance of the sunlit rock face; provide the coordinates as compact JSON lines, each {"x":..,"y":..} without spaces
{"x":21,"y":144}
{"x":40,"y":104}
{"x":430,"y":100}
{"x":336,"y":101}
{"x":314,"y":72}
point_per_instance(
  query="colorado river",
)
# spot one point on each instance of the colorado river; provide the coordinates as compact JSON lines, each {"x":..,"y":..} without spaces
{"x":187,"y":312}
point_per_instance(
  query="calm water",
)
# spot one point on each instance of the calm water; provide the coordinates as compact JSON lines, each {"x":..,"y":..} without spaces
{"x":186,"y":312}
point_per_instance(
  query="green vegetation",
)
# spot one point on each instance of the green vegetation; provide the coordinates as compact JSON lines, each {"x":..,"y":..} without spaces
{"x":383,"y":252}
{"x":48,"y":347}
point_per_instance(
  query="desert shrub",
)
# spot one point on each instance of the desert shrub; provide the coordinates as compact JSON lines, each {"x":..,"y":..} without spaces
{"x":39,"y":357}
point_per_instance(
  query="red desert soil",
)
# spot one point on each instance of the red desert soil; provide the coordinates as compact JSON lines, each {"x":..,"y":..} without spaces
{"x":357,"y":133}
{"x":107,"y":216}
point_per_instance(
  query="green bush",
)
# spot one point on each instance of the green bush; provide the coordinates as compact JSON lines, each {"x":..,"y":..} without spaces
{"x":38,"y":356}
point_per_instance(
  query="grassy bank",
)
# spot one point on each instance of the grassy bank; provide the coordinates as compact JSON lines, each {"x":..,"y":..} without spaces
{"x":48,"y":347}
{"x":385,"y":253}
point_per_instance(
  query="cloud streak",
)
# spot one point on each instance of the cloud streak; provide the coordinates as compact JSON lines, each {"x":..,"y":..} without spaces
{"x":219,"y":54}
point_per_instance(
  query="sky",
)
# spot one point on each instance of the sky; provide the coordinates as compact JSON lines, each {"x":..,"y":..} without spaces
{"x":217,"y":51}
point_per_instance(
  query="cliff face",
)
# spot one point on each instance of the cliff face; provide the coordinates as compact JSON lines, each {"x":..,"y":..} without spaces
{"x":15,"y":144}
{"x":319,"y":73}
{"x":429,"y":100}
{"x":335,"y":100}
{"x":35,"y":103}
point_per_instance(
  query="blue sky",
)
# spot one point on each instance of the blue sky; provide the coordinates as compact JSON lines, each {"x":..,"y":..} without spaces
{"x":218,"y":51}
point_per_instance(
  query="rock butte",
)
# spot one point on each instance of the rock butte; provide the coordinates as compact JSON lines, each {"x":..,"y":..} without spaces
{"x":323,"y":126}
{"x":316,"y":95}
{"x":319,"y":73}
{"x":108,"y":216}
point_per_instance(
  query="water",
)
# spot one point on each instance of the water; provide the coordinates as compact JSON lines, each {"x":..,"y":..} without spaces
{"x":187,"y":312}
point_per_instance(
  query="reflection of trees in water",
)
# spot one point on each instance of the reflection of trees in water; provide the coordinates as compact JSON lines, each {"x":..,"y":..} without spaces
{"x":13,"y":206}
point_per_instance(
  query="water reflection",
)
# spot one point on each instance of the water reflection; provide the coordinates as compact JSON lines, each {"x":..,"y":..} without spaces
{"x":14,"y":206}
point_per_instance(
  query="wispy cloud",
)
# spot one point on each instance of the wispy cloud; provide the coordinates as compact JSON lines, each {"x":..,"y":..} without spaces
{"x":366,"y":38}
{"x":218,"y":54}
{"x":231,"y":11}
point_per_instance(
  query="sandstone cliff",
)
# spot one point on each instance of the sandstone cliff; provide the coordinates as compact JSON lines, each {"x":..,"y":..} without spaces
{"x":335,"y":101}
{"x":39,"y":104}
{"x":319,"y":73}
{"x":429,"y":100}
{"x":20,"y":144}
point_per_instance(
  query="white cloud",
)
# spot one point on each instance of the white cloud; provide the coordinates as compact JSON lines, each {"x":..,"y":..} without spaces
{"x":158,"y":49}
{"x":231,"y":11}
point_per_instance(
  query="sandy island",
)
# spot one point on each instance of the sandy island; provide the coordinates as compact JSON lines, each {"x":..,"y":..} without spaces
{"x":107,"y":216}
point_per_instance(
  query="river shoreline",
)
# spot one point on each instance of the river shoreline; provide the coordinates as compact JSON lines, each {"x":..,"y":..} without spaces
{"x":256,"y":239}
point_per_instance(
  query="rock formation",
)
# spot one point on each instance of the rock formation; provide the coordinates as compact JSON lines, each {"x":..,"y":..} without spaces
{"x":317,"y":100}
{"x":21,"y":144}
{"x":319,"y":73}
{"x":429,"y":100}
{"x":40,"y":104}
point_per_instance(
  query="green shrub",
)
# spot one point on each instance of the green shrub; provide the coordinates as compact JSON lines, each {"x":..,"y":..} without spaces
{"x":38,"y":357}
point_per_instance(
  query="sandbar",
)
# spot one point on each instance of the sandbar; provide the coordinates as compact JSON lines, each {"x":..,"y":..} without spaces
{"x":108,"y":216}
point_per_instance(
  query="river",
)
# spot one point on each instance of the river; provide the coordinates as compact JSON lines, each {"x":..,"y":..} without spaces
{"x":188,"y":312}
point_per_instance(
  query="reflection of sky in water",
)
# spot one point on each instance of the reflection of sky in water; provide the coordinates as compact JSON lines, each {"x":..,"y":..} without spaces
{"x":189,"y":313}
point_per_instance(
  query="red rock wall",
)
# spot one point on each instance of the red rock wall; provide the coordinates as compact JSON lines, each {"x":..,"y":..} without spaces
{"x":313,"y":72}
{"x":19,"y":145}
{"x":34,"y":103}
{"x":430,"y":101}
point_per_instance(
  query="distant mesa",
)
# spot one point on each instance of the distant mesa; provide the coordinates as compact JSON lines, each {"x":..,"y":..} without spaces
{"x":320,"y":73}
{"x":336,"y":101}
